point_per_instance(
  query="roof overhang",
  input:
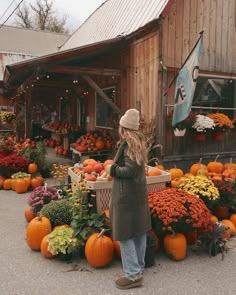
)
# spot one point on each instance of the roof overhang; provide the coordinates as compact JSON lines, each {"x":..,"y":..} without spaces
{"x":18,"y":73}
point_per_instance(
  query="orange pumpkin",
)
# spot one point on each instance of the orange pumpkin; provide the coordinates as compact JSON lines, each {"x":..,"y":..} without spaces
{"x":32,"y":168}
{"x":99,"y":144}
{"x":175,"y":246}
{"x":221,"y":212}
{"x":215,"y":166}
{"x":44,"y":248}
{"x":36,"y":230}
{"x":21,"y":186}
{"x":35,"y":182}
{"x":29,"y":214}
{"x":154,"y":172}
{"x":214,"y":219}
{"x":176,"y":173}
{"x":230,"y":225}
{"x":7,"y":184}
{"x":233,"y":218}
{"x":108,"y":161}
{"x":195,"y":167}
{"x":99,"y":249}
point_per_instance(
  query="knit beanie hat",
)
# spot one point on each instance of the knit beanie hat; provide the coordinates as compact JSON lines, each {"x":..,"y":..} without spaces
{"x":130,"y":119}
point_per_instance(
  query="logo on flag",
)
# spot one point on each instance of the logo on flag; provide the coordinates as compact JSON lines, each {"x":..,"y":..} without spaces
{"x":186,"y":84}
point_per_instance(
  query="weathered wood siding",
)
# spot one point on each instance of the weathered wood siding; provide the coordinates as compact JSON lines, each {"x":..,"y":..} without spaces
{"x":181,"y":30}
{"x":140,"y":85}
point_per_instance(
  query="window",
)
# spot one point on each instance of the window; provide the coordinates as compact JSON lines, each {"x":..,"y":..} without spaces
{"x":215,"y":92}
{"x":104,"y":112}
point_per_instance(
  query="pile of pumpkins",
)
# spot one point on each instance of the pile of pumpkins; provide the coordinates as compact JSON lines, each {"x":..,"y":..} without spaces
{"x":100,"y":249}
{"x":94,"y":141}
{"x":214,"y":170}
{"x":21,"y":182}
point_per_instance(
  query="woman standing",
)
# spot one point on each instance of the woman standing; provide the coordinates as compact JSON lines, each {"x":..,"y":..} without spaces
{"x":130,"y":215}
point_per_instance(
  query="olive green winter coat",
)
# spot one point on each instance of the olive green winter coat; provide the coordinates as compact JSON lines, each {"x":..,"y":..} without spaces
{"x":129,"y":210}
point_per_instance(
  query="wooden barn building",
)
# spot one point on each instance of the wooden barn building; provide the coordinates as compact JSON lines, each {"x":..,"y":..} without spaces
{"x":125,"y":55}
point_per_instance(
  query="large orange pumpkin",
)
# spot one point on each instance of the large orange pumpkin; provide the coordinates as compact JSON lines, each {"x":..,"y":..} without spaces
{"x":21,"y":186}
{"x":29,"y":214}
{"x":44,"y":248}
{"x":99,"y":249}
{"x":195,"y":167}
{"x":36,"y":230}
{"x":215,"y":166}
{"x":32,"y":168}
{"x":175,"y":246}
{"x":176,"y":173}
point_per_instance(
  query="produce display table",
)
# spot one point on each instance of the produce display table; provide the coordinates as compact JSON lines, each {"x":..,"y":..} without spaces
{"x":101,"y":155}
{"x":103,"y":189}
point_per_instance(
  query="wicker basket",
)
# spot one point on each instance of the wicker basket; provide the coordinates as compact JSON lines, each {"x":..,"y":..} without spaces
{"x":103,"y":188}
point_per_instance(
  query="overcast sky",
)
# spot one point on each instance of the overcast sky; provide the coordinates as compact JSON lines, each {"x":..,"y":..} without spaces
{"x":77,"y":11}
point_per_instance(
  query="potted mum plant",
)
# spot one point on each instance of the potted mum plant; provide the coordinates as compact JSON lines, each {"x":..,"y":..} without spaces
{"x":174,"y":210}
{"x":42,"y":195}
{"x":226,"y":200}
{"x":202,"y":125}
{"x":202,"y":187}
{"x":222,"y":124}
{"x":180,"y":128}
{"x":62,"y":242}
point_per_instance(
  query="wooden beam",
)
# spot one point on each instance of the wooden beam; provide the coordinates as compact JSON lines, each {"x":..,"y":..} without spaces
{"x":83,"y":70}
{"x":93,"y":84}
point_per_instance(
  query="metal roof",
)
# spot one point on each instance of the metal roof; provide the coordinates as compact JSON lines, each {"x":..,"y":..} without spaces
{"x":115,"y":18}
{"x":27,"y":41}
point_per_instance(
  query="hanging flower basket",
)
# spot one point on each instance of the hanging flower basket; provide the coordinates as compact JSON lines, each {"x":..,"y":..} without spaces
{"x":179,"y":132}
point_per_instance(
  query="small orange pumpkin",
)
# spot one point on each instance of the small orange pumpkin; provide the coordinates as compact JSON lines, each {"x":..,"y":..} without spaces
{"x":99,"y":144}
{"x":154,"y":172}
{"x":44,"y":248}
{"x":230,"y":225}
{"x":32,"y":168}
{"x":29,"y":214}
{"x":233,"y":218}
{"x":175,"y":246}
{"x":99,"y":249}
{"x":7,"y":184}
{"x":36,"y":230}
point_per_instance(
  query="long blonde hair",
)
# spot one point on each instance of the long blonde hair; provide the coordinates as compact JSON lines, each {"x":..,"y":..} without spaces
{"x":137,"y":144}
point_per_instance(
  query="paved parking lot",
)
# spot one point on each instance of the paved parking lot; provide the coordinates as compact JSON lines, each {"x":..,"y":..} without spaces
{"x":26,"y":272}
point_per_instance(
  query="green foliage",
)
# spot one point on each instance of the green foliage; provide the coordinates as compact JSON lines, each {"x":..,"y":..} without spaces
{"x":62,"y":240}
{"x":84,"y":222}
{"x":58,"y":212}
{"x":36,"y":155}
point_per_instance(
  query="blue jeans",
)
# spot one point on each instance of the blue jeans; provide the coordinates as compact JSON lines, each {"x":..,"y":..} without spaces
{"x":133,"y":255}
